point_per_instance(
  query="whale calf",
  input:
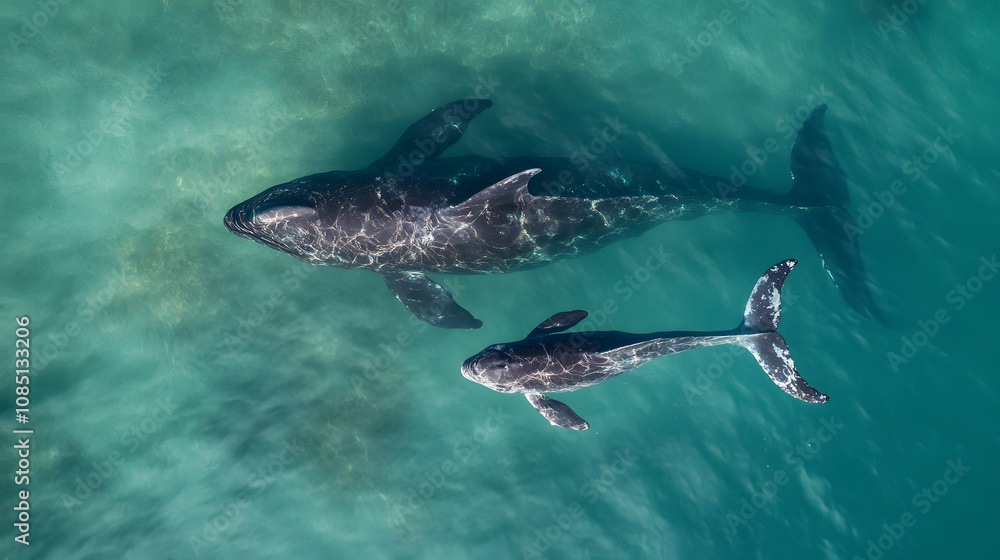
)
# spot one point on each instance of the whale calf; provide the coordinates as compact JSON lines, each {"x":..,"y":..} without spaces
{"x":411,"y":213}
{"x":551,"y":361}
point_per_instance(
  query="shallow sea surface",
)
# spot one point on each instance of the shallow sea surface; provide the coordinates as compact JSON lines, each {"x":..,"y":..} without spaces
{"x":193,"y":394}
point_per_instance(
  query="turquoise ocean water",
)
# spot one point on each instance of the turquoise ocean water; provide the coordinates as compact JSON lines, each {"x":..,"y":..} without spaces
{"x":195,"y":395}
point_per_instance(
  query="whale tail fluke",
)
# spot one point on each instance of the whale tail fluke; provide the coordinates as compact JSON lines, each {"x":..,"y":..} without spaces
{"x":819,"y":185}
{"x":834,"y":234}
{"x":757,"y":334}
{"x":817,"y":178}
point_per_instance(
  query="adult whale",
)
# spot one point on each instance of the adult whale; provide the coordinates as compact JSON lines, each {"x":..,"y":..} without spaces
{"x":410,"y":213}
{"x":547,"y":362}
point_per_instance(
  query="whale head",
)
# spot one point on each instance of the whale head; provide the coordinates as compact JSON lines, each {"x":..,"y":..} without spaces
{"x":497,"y":368}
{"x":283,"y":217}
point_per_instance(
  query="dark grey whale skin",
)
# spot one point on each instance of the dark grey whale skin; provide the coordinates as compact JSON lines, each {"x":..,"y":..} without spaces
{"x":551,"y":361}
{"x":410,"y":213}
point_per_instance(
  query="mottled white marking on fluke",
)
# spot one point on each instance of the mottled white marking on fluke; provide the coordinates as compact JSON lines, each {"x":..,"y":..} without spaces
{"x":763,"y":309}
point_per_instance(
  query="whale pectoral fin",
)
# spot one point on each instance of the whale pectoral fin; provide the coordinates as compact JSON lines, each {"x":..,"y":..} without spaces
{"x":429,"y":137}
{"x":557,"y":413}
{"x":429,"y":301}
{"x":558,"y":323}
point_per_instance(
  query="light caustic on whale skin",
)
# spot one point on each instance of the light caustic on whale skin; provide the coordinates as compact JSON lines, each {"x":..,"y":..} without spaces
{"x":411,"y":212}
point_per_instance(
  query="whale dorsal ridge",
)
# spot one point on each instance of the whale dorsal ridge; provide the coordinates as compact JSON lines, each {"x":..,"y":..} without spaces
{"x":510,"y":190}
